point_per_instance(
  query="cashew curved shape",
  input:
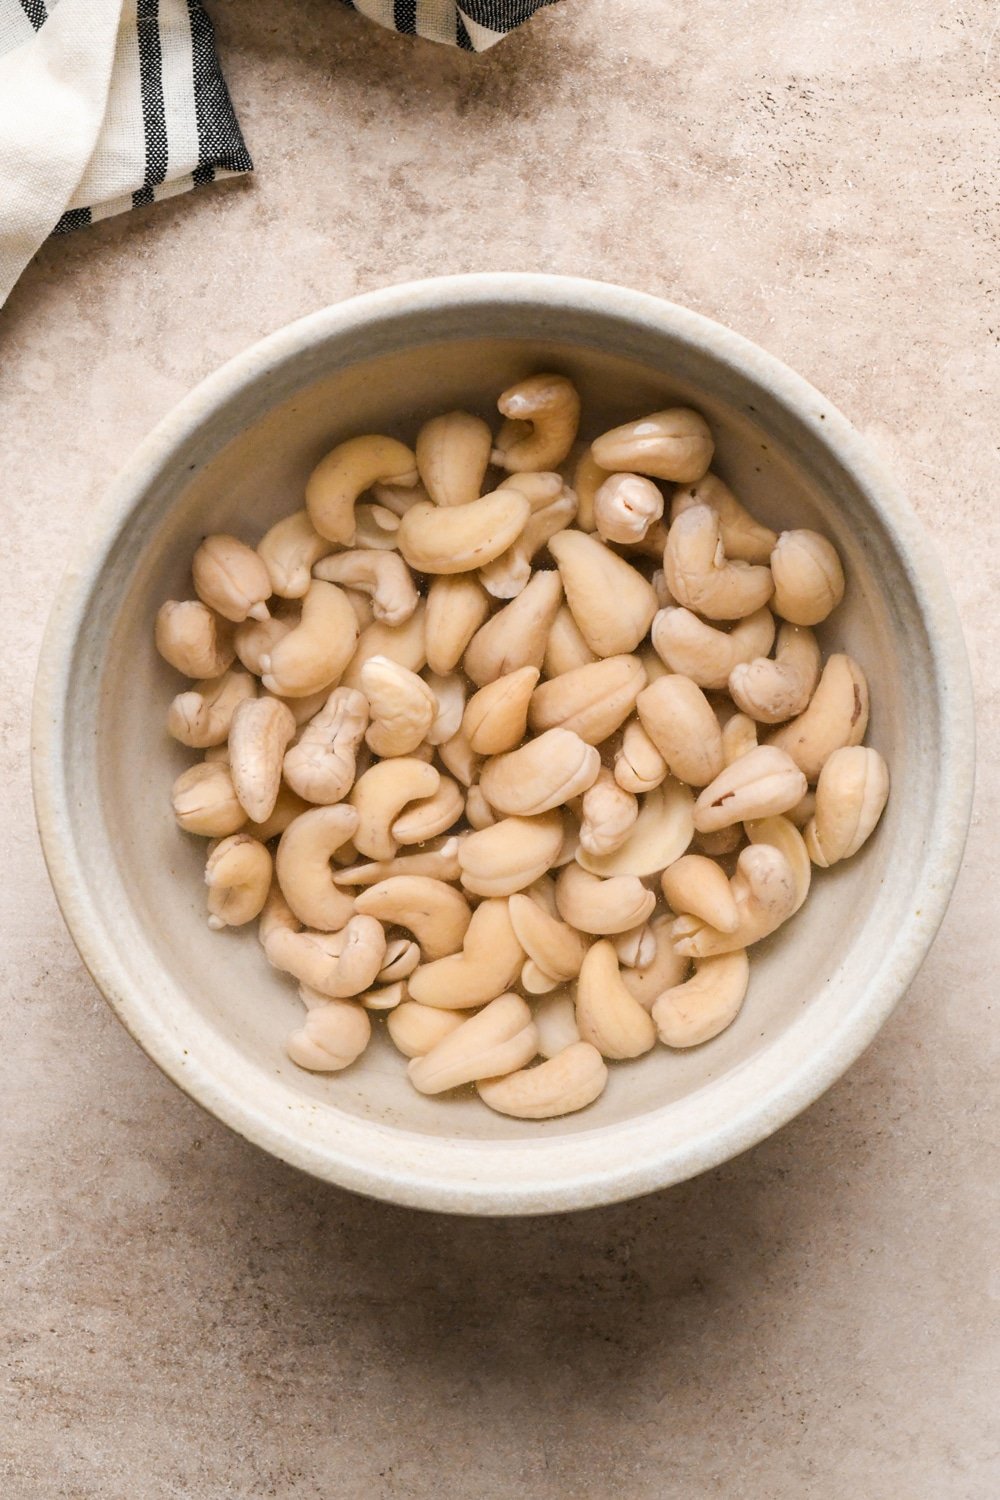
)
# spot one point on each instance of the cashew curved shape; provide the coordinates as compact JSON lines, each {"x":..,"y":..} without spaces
{"x":404,"y":644}
{"x":275,"y":915}
{"x":561,"y":1085}
{"x":231,"y":578}
{"x":660,"y":834}
{"x":608,"y":815}
{"x":436,"y":913}
{"x":416,"y":1028}
{"x":453,"y":454}
{"x":626,"y":506}
{"x":401,"y":705}
{"x":314,"y":654}
{"x":602,"y":907}
{"x":302,"y":865}
{"x":352,"y":467}
{"x":449,"y":691}
{"x":694,"y":1012}
{"x":456,"y":607}
{"x":695,"y":885}
{"x":509,"y":573}
{"x":429,"y":816}
{"x":510,"y":854}
{"x":611,"y":602}
{"x":743,"y":536}
{"x":851,"y":792}
{"x":773,"y":691}
{"x":666,"y":968}
{"x":555,"y":947}
{"x":259,"y":734}
{"x":784,"y":835}
{"x":382,"y":575}
{"x":238,"y":876}
{"x":700,"y":575}
{"x":193,"y":638}
{"x":550,"y":407}
{"x":544,"y":773}
{"x":458,"y":538}
{"x":674,"y":444}
{"x":708,"y":656}
{"x":289,"y":552}
{"x":321,"y":765}
{"x":489,"y":962}
{"x":808,"y":577}
{"x":381,"y":793}
{"x":607,"y":1014}
{"x":516,"y":635}
{"x":638,"y":766}
{"x":336,"y":964}
{"x":331,"y":1037}
{"x":200,"y":717}
{"x":440,"y":862}
{"x":760,"y":784}
{"x":496,"y":717}
{"x":837,"y":716}
{"x":766,"y":893}
{"x":565,"y":648}
{"x":592,"y":700}
{"x":499,"y":1040}
{"x":681,"y":723}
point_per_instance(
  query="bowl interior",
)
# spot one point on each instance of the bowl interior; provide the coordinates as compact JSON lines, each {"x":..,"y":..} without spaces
{"x":209,"y":1005}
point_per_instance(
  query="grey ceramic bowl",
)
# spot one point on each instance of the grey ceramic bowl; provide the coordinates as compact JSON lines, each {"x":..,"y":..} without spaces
{"x":233,"y":456}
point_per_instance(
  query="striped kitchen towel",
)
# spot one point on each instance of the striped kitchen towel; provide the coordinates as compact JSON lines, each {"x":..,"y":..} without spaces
{"x":108,"y":104}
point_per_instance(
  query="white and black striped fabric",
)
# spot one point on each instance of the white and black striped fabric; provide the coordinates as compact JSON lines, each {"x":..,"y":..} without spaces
{"x":472,"y":25}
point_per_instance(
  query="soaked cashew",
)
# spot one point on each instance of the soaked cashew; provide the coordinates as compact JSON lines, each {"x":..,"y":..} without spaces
{"x":784,"y":836}
{"x":543,"y":413}
{"x":449,"y":692}
{"x":438,"y":860}
{"x":302,"y":866}
{"x":384,"y":997}
{"x":336,"y":964}
{"x":696,"y":886}
{"x":609,"y":814}
{"x":808,"y":577}
{"x":571,"y":1080}
{"x":289,"y":551}
{"x":611,"y":602}
{"x":837,"y":716}
{"x":588,"y":476}
{"x":259,"y":733}
{"x":287,"y":805}
{"x":635,"y":948}
{"x":698,"y":650}
{"x":478,"y":812}
{"x":456,"y":607}
{"x":743,"y":537}
{"x":201,"y":716}
{"x":375,"y":528}
{"x":607,"y":1014}
{"x":255,"y":639}
{"x":546,"y":772}
{"x":555,"y":947}
{"x":496,"y":717}
{"x":700,"y":575}
{"x":760,"y":784}
{"x":665,"y":968}
{"x":429,"y":816}
{"x":276,"y":915}
{"x":332,"y":1036}
{"x":458,"y":538}
{"x":404,"y":644}
{"x":489,"y":963}
{"x":516,"y":635}
{"x":554,"y":1015}
{"x":659,"y":835}
{"x":765,"y":891}
{"x":674,"y":444}
{"x":238,"y":876}
{"x":509,"y":573}
{"x":453,"y":454}
{"x":352,"y":467}
{"x":231,"y":578}
{"x":603,"y":907}
{"x":800,"y":814}
{"x":313,"y":654}
{"x":382,"y":575}
{"x":509,"y":855}
{"x":681,"y":724}
{"x":692,"y":1013}
{"x":639,"y":766}
{"x":397,"y":499}
{"x":193,"y":638}
{"x":458,"y":757}
{"x":592,"y":701}
{"x":402,"y":707}
{"x":851,"y":792}
{"x":321,"y":765}
{"x":739,"y":737}
{"x":566,"y":647}
{"x":626,"y":506}
{"x":380,"y":795}
{"x":773,"y":691}
{"x":499,"y":1040}
{"x":416,"y":1028}
{"x":436,"y":913}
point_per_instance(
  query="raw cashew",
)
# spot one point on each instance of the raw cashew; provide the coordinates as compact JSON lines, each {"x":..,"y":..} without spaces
{"x":402,"y":955}
{"x":231,"y":578}
{"x":566,"y":647}
{"x":478,"y":812}
{"x":509,"y":855}
{"x":287,"y":805}
{"x":336,"y":964}
{"x":837,"y":716}
{"x":397,"y":499}
{"x":436,"y":914}
{"x":416,"y":1028}
{"x":255,"y":639}
{"x":692,"y":1013}
{"x":375,"y":528}
{"x":496,"y":717}
{"x":698,"y":650}
{"x":276,"y":914}
{"x":544,"y":773}
{"x":289,"y":551}
{"x":700,"y":575}
{"x":604,"y":907}
{"x":331,"y":1037}
{"x":742,"y":536}
{"x":851,"y":792}
{"x":403,"y":644}
{"x":543,"y":413}
{"x":193,"y":638}
{"x":258,"y":736}
{"x":636,"y":948}
{"x":626,"y":506}
{"x":659,"y":835}
{"x":383,"y":575}
{"x":674,"y":444}
{"x":362,"y":607}
{"x":611,"y":602}
{"x":438,"y":860}
{"x":349,"y":469}
{"x":697,"y":886}
{"x":607,"y":1014}
{"x":321,"y":765}
{"x":429,"y":816}
{"x":571,"y":1080}
{"x":490,"y":960}
{"x":516,"y":635}
{"x":739,"y":737}
{"x":456,"y":607}
{"x":200,"y":717}
{"x":808,"y":577}
{"x":785,"y":837}
{"x":238,"y":876}
{"x":799,"y":814}
{"x":639,"y":766}
{"x":679,"y":720}
{"x":759,"y":784}
{"x":302,"y":865}
{"x":458,"y":756}
{"x":458,"y":538}
{"x":315,"y":653}
{"x":766,"y":894}
{"x":402,"y":707}
{"x":588,"y":476}
{"x":449,"y":692}
{"x":716,"y":845}
{"x":385,"y":997}
{"x":380,"y":795}
{"x":773,"y":691}
{"x":508,"y":574}
{"x":666,"y":968}
{"x":609,"y":814}
{"x":592,"y":701}
{"x":453,"y":454}
{"x":500,"y":1039}
{"x":555,"y":947}
{"x":534,"y":981}
{"x":554,"y":1015}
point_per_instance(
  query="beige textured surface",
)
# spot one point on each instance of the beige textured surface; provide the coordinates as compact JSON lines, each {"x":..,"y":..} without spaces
{"x":818,"y":1318}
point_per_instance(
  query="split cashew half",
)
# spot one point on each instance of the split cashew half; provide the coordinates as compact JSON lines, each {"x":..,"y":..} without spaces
{"x":700,"y":575}
{"x":456,"y":607}
{"x":416,"y":1028}
{"x":352,"y":467}
{"x":543,"y":414}
{"x":556,"y":948}
{"x":516,"y":635}
{"x":496,"y":717}
{"x":259,"y":734}
{"x":697,"y":886}
{"x":439,"y":860}
{"x":592,"y":700}
{"x":565,"y":648}
{"x":837,"y":716}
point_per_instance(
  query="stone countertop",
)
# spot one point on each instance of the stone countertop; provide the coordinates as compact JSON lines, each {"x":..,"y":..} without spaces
{"x":185,"y":1316}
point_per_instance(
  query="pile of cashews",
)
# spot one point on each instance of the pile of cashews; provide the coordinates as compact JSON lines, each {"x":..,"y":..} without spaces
{"x":523,"y":754}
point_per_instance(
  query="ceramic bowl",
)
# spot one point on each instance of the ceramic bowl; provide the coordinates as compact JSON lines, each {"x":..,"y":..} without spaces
{"x":234,"y":456}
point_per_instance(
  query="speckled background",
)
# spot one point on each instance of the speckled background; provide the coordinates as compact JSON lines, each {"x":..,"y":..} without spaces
{"x":183,"y":1316}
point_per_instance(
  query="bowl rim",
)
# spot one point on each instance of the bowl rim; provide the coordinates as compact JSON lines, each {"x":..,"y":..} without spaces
{"x":415,"y":1181}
